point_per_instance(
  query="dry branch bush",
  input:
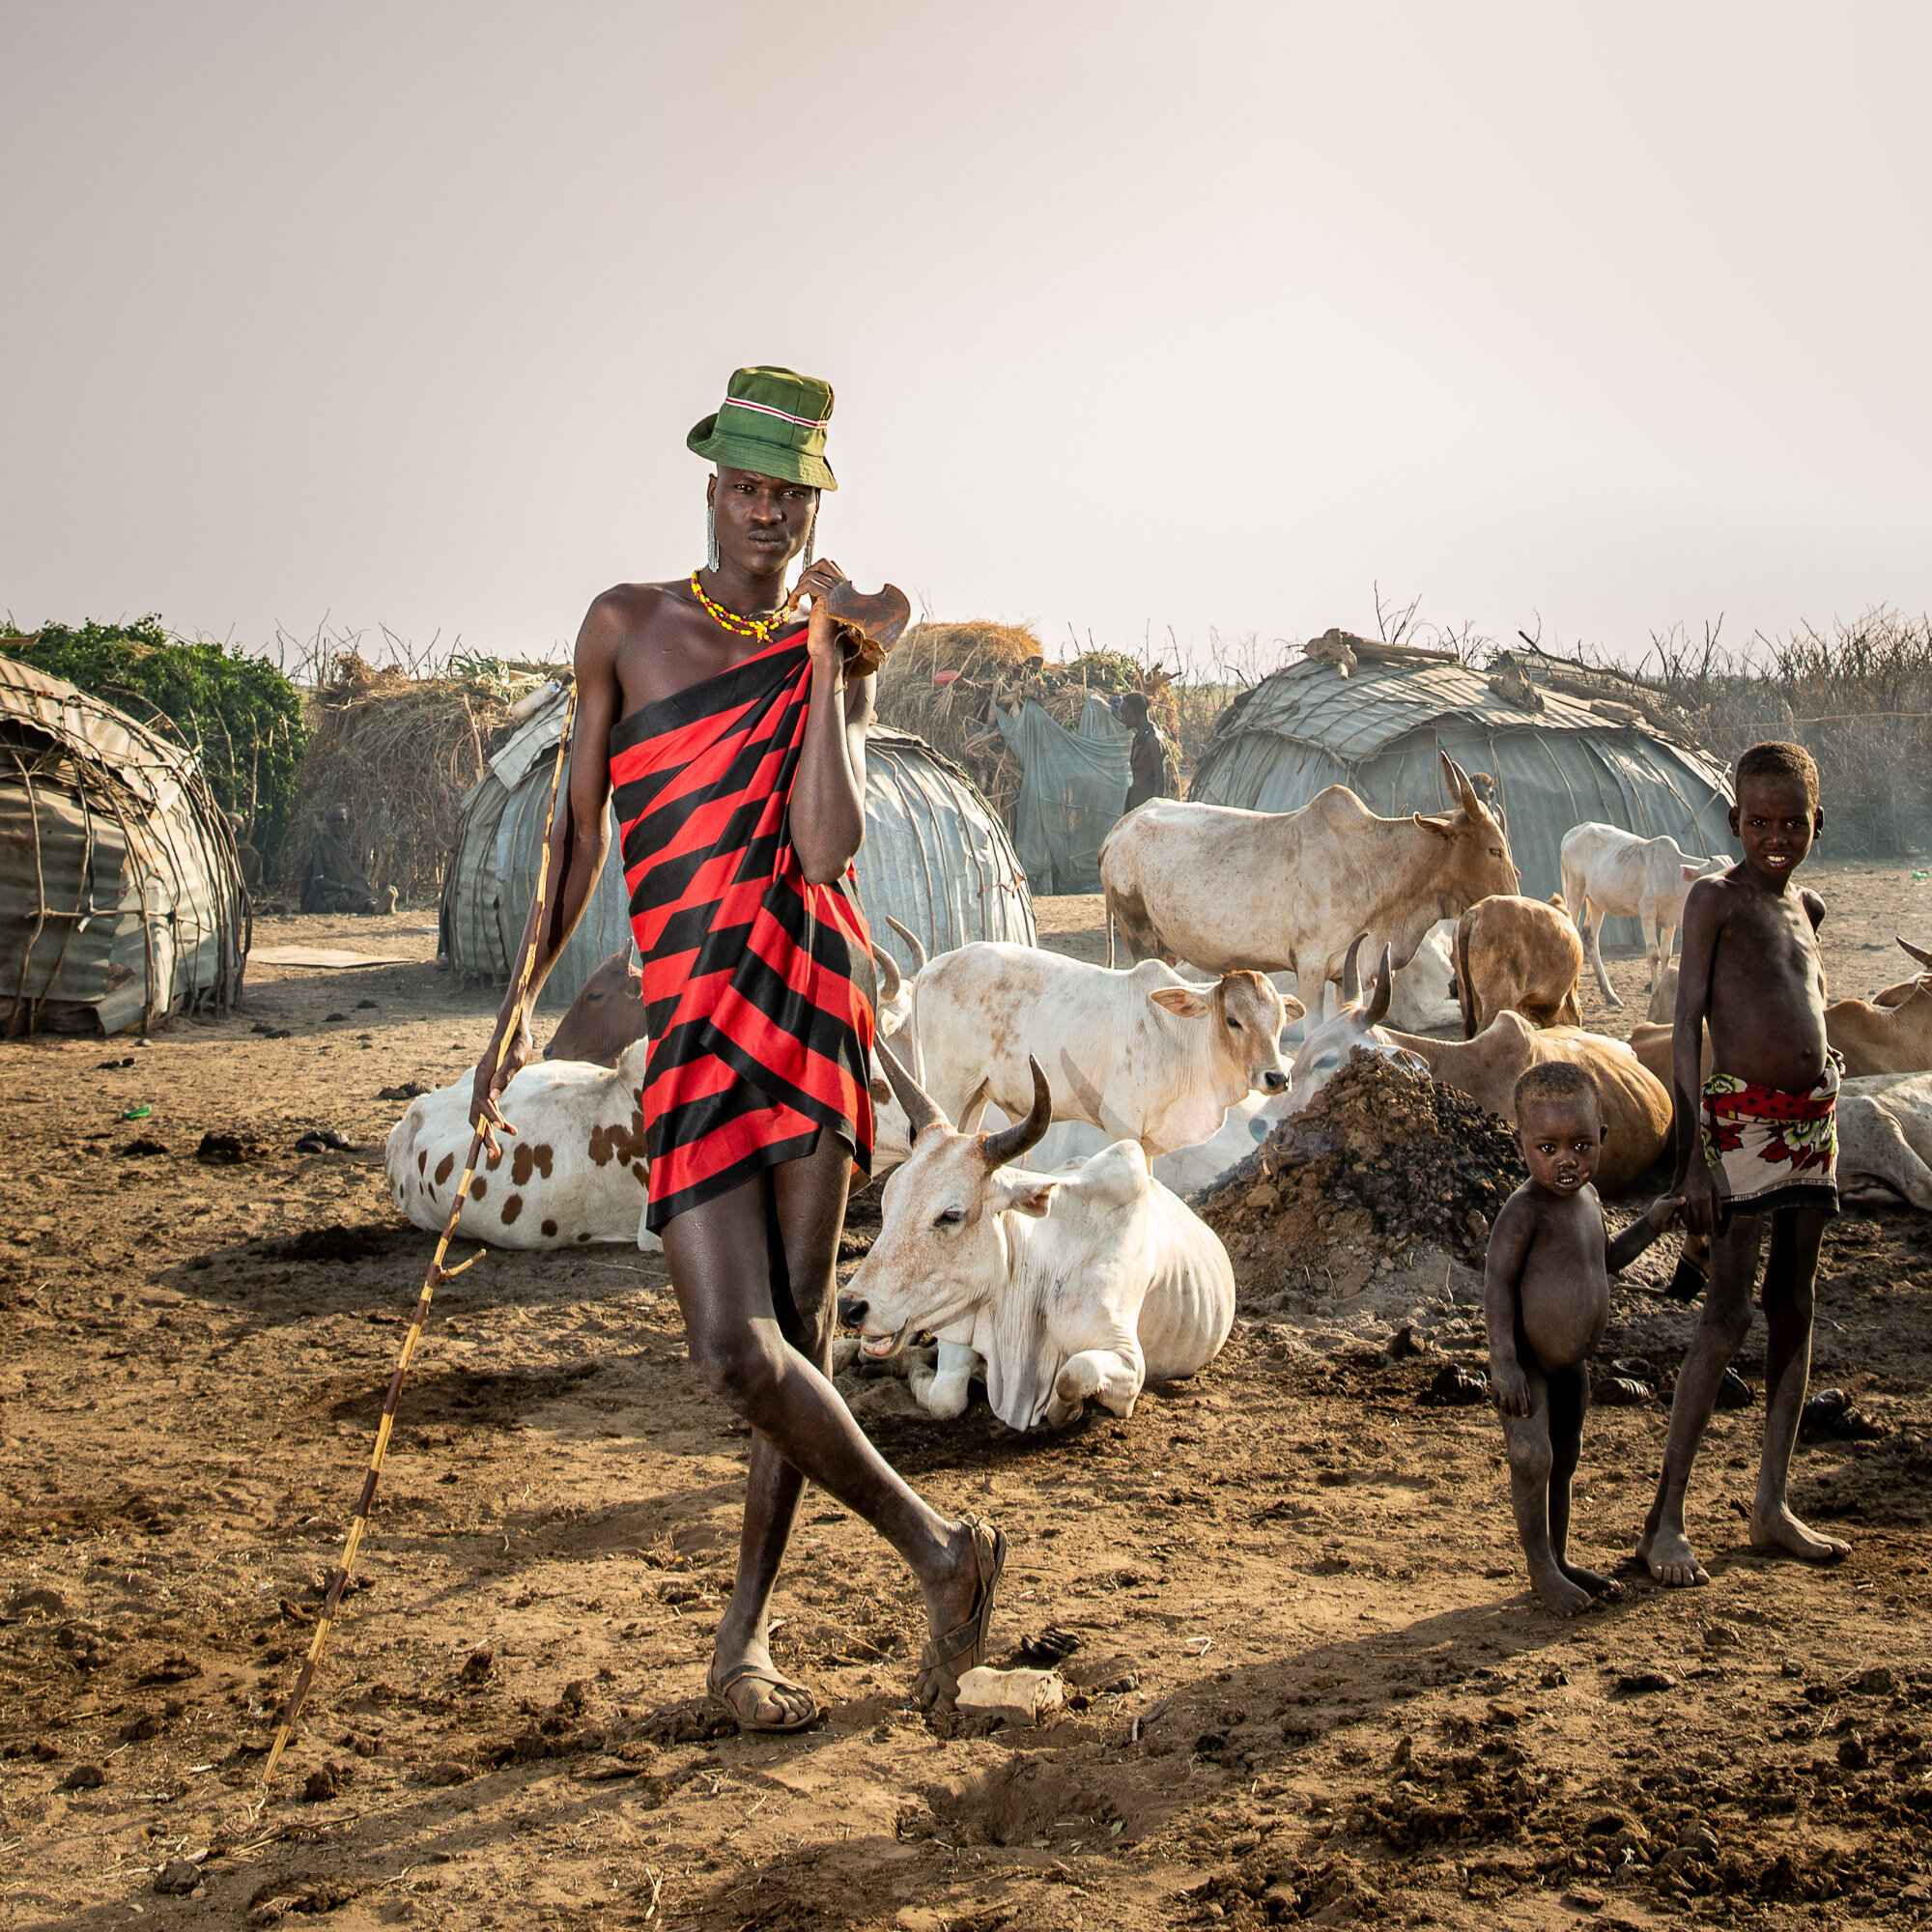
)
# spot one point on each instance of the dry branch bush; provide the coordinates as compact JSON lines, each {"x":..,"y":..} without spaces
{"x":399,"y":752}
{"x":1860,"y":701}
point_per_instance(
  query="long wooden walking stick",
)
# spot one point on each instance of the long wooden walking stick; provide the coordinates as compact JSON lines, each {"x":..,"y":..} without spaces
{"x":338,"y":1582}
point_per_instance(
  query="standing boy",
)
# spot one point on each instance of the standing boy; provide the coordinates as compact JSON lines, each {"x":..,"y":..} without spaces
{"x":1763,"y":1147}
{"x":1545,"y":1300}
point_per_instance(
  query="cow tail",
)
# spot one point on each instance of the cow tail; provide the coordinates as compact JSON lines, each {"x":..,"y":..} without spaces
{"x":1466,"y":991}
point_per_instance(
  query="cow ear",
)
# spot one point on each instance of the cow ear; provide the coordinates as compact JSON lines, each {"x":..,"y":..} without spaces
{"x":1692,"y":874}
{"x":1181,"y":1000}
{"x":1023,"y":1194}
{"x":1291,"y":1009}
{"x":1441,"y":826}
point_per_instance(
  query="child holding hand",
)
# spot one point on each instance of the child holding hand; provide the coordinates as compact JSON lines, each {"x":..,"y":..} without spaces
{"x":1546,"y":1301}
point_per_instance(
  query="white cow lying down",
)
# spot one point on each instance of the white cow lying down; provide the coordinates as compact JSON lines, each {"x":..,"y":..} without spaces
{"x":1884,"y":1135}
{"x":1058,"y":1287}
{"x":575,"y":1169}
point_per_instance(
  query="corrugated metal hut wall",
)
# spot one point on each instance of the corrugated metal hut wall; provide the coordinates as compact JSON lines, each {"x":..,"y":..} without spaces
{"x":935,"y":857}
{"x":121,"y":897}
{"x":1378,"y":732}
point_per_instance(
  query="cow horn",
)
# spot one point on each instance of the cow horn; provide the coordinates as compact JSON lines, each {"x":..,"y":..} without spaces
{"x":1379,"y":1004}
{"x":1917,"y":952}
{"x":996,"y":1149}
{"x":921,"y":1110}
{"x":889,"y":974}
{"x":1351,"y":971}
{"x":911,"y":941}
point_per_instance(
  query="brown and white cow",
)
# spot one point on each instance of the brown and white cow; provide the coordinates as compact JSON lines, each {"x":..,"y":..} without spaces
{"x":1520,"y":956}
{"x":574,"y":1172}
{"x":1062,"y":1289}
{"x":1140,"y":1053}
{"x":1290,"y":891}
{"x":1635,"y":1106}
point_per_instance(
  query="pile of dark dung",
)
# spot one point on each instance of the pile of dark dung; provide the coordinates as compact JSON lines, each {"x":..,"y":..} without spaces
{"x":1384,"y":1161}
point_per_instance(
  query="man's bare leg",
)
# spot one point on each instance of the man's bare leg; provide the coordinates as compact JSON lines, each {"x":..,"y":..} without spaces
{"x":1722,"y":1322}
{"x":1790,"y":1282}
{"x":1530,"y":1463}
{"x":1569,"y":1404}
{"x":719,"y":1269}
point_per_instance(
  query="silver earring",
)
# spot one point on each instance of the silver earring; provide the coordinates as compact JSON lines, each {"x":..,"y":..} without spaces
{"x":711,"y":536}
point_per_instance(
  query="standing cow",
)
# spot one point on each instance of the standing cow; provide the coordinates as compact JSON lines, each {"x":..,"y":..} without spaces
{"x":1607,"y":870}
{"x":1141,"y":1054}
{"x":1290,"y":891}
{"x":1063,"y":1288}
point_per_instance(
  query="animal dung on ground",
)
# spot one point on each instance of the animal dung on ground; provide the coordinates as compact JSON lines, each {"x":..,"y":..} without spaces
{"x":225,"y":1150}
{"x":1829,"y":1416}
{"x":325,"y":1140}
{"x":1051,"y":1646}
{"x":1383,"y":1155}
{"x":1613,"y":1390}
{"x":410,"y":1089}
{"x":1734,"y":1392}
{"x":1019,"y":1697}
{"x":1458,"y":1387}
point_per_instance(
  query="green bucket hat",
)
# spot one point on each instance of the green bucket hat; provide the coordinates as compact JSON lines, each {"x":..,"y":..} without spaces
{"x":773,"y":423}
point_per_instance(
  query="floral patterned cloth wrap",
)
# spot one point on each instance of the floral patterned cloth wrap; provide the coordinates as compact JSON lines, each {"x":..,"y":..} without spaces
{"x":1771,"y":1149}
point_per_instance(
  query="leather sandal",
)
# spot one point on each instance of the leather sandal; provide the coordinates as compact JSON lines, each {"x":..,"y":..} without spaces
{"x":945,"y":1659}
{"x":870,"y":625}
{"x":764,"y":1679}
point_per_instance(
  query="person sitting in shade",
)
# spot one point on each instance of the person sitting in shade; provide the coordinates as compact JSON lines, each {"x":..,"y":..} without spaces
{"x":246,"y":855}
{"x":334,"y":880}
{"x":1147,"y":754}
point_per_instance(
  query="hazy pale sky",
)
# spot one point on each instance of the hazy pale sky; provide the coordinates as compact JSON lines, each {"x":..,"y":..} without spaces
{"x":1205,"y":316}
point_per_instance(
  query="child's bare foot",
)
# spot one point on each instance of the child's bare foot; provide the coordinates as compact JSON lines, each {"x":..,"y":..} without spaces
{"x":1671,"y":1559}
{"x":1560,"y":1595}
{"x":1777,"y":1529}
{"x":1590,"y":1581}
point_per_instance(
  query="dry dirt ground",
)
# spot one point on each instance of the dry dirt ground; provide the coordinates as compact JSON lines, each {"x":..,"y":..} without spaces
{"x":1311,"y":1683}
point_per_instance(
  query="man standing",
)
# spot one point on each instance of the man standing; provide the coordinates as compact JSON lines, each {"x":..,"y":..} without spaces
{"x":734,"y":737}
{"x":1147,"y":754}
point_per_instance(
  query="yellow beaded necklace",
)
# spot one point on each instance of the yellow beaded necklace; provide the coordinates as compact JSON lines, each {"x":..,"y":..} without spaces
{"x":760,"y":628}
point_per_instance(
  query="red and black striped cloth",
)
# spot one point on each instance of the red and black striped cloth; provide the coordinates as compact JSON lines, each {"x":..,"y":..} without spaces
{"x":758,"y":986}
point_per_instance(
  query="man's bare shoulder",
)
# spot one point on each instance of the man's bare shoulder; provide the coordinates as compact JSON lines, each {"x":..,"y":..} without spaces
{"x":628,"y":605}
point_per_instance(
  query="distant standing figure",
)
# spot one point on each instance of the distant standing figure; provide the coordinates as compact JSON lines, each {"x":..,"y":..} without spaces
{"x":334,"y":880}
{"x":1147,"y":753}
{"x":249,"y":860}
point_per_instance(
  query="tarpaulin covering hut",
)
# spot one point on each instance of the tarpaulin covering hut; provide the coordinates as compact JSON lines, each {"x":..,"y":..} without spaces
{"x":1075,"y":788}
{"x":935,"y":858}
{"x":121,"y":897}
{"x":1559,"y":757}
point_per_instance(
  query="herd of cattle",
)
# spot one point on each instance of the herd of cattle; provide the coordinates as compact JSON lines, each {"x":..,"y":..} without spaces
{"x":1084,"y":1274}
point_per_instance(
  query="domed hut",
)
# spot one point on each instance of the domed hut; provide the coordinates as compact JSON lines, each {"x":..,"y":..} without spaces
{"x":935,"y":858}
{"x":121,"y":896}
{"x":1564,"y":745}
